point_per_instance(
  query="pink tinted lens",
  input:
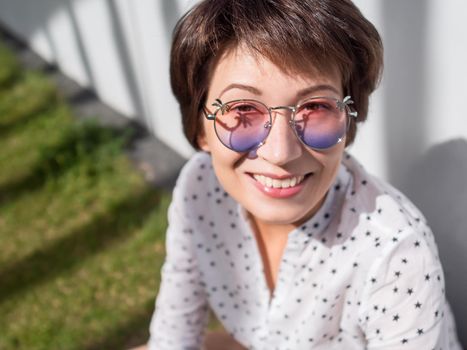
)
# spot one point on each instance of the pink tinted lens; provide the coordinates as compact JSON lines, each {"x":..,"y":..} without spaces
{"x":319,"y":123}
{"x":242,"y":125}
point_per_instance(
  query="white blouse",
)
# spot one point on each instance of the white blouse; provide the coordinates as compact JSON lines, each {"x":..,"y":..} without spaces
{"x":362,"y":273}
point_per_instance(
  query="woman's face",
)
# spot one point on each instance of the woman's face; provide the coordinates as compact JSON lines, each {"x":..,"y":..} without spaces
{"x":282,"y":160}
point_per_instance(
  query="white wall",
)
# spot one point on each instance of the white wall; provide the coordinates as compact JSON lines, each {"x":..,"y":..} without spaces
{"x":120,"y":48}
{"x":418,"y":104}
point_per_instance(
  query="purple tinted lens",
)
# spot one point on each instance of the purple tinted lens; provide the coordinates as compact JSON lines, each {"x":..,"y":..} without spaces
{"x":243,"y":125}
{"x":320,"y":124}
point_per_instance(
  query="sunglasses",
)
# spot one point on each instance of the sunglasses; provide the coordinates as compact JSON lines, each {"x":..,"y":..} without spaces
{"x":243,"y":125}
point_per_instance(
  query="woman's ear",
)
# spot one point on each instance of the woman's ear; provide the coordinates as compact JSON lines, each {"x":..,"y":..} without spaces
{"x":202,"y":142}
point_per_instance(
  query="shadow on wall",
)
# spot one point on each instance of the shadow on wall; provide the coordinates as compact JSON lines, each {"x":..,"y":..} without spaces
{"x":437,"y":184}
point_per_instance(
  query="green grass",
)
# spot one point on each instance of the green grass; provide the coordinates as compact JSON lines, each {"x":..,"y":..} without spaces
{"x":81,"y":233}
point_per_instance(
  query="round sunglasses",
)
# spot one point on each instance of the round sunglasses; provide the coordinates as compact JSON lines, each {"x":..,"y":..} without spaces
{"x":243,"y":125}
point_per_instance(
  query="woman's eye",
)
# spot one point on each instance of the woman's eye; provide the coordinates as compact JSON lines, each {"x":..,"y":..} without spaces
{"x":316,"y":106}
{"x":244,"y":108}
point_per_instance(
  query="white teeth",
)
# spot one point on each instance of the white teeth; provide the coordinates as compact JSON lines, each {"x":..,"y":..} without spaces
{"x":279,"y":183}
{"x":293,"y":182}
{"x":268,"y":181}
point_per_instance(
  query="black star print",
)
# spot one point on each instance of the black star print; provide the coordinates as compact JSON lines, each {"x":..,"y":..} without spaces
{"x":404,"y":261}
{"x":418,"y":305}
{"x":404,"y":341}
{"x":420,"y":331}
{"x":395,"y":317}
{"x":409,"y":291}
{"x":417,"y":244}
{"x":397,"y":273}
{"x":395,"y":289}
{"x":373,"y":280}
{"x":427,"y":277}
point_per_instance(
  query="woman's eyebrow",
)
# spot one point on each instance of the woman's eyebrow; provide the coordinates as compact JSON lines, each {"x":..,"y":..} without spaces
{"x":248,"y":88}
{"x":302,"y":93}
{"x":312,"y":89}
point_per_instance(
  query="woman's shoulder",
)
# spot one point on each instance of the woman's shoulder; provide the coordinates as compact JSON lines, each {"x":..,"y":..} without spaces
{"x":387,"y":228}
{"x":197,"y":172}
{"x":379,"y":204}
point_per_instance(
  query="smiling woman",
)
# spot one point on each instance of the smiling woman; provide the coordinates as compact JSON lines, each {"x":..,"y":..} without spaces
{"x":273,"y":225}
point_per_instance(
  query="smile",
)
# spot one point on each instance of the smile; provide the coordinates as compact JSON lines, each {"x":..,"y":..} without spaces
{"x":279,"y":188}
{"x":279,"y":183}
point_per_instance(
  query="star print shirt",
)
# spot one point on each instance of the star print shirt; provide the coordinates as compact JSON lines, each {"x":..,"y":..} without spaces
{"x":362,"y":273}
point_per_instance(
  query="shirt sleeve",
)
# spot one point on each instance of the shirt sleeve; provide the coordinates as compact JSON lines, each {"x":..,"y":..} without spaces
{"x":181,"y":311}
{"x":403,"y":305}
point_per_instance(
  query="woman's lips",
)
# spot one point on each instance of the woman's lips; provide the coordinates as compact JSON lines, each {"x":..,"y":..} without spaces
{"x":279,"y":187}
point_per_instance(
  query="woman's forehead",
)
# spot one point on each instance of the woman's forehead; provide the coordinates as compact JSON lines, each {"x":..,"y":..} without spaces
{"x":242,"y":66}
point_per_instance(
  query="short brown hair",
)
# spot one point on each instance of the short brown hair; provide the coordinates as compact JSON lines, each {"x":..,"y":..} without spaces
{"x":295,"y":35}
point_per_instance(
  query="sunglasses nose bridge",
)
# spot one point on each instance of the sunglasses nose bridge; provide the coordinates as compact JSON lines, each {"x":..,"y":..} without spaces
{"x":280,"y":146}
{"x":292,"y":110}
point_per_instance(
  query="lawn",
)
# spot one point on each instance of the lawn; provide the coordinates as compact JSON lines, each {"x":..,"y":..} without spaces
{"x":81,"y":233}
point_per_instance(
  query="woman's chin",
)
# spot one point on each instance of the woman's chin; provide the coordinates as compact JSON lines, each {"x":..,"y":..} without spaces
{"x":278,"y":216}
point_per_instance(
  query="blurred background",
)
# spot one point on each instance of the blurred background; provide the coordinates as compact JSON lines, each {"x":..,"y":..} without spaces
{"x":75,"y":179}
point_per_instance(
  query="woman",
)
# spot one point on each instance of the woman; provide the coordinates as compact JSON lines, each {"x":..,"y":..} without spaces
{"x":272,"y":225}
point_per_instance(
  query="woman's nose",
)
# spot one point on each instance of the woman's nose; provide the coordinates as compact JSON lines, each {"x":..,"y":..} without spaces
{"x":281,"y":145}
